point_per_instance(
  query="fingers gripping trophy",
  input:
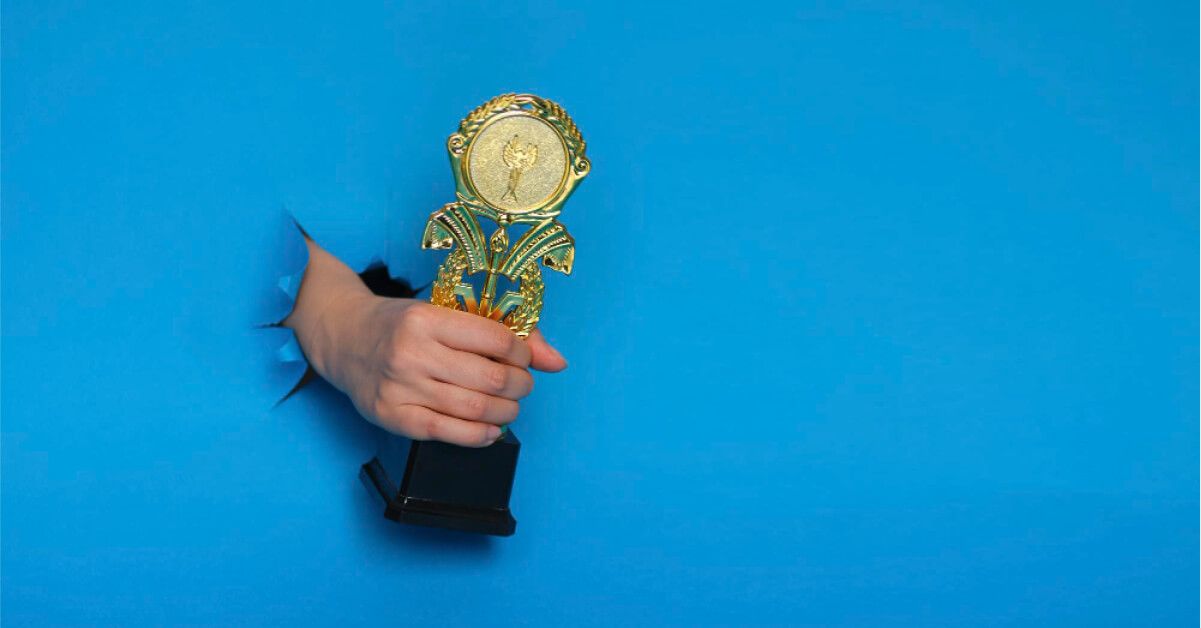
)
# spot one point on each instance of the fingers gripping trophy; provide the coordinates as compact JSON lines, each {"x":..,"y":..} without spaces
{"x":516,"y":159}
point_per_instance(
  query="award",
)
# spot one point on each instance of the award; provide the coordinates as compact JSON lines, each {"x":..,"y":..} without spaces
{"x":516,"y":159}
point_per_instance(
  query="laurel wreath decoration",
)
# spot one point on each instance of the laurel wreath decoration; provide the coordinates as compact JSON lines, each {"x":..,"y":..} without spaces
{"x":521,"y":320}
{"x":450,"y":273}
{"x":524,"y":317}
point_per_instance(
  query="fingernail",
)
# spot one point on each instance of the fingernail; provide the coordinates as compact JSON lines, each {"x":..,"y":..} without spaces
{"x":493,"y":432}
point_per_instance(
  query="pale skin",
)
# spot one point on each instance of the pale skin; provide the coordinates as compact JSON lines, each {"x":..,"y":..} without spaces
{"x":425,"y":372}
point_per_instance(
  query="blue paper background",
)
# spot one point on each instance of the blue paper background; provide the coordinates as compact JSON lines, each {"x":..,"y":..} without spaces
{"x":882,"y":315}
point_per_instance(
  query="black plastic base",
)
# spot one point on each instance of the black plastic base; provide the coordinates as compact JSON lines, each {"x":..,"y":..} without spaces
{"x":445,"y":486}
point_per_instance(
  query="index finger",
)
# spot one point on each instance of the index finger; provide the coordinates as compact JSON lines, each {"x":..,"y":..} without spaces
{"x":482,"y":336}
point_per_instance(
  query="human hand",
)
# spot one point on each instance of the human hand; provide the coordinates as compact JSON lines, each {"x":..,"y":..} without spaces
{"x":428,"y":372}
{"x":413,"y":368}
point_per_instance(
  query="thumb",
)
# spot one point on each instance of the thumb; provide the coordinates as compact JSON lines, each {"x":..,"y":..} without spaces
{"x":544,"y":357}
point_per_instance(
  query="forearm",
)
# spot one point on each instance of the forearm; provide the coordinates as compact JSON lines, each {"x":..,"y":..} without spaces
{"x":331,"y":290}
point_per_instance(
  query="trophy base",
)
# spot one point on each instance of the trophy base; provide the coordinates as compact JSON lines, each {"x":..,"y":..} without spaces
{"x":428,"y":483}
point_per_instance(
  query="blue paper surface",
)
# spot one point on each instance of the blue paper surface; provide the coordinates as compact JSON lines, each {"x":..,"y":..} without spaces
{"x":881,"y":315}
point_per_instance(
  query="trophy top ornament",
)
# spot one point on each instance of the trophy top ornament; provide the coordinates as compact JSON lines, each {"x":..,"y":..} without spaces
{"x":517,"y":155}
{"x":516,"y":159}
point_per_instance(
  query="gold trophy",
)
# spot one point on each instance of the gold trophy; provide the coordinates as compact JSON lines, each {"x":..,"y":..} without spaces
{"x":516,"y":159}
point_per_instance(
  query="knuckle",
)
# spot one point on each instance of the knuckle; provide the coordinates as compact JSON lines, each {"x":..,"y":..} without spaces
{"x":432,"y":428}
{"x":404,"y":358}
{"x":475,"y":407}
{"x":412,"y":422}
{"x":497,"y":377}
{"x":399,"y":360}
{"x":527,"y":383}
{"x":416,"y":317}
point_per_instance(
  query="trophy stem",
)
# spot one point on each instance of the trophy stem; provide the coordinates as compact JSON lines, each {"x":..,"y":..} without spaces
{"x":487,"y":294}
{"x":497,"y":244}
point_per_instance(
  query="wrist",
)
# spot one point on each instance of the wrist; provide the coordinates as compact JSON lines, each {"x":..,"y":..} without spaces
{"x":323,"y":306}
{"x":342,"y":314}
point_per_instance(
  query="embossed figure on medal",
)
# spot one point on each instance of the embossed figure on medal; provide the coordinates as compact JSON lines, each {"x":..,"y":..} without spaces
{"x":516,"y":159}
